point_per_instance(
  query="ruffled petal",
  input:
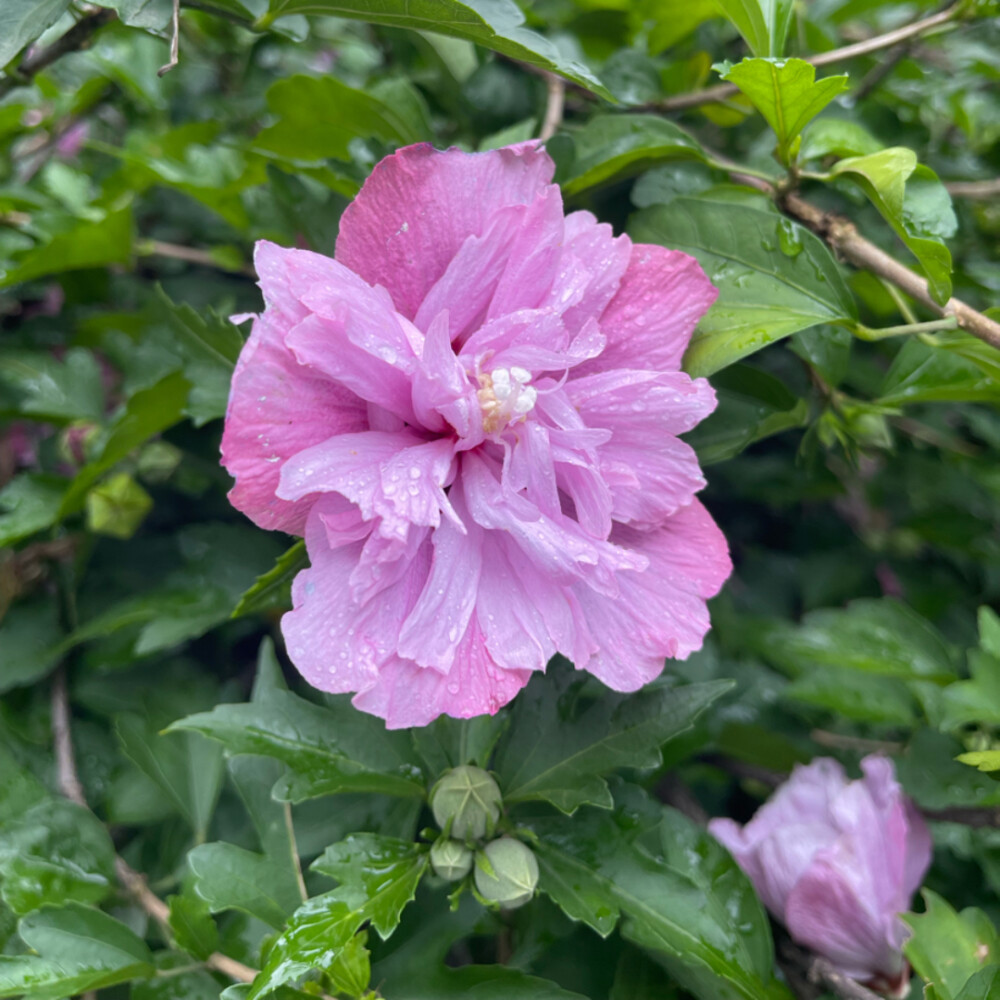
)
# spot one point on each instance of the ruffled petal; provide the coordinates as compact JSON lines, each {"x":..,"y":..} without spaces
{"x":336,"y":643}
{"x":419,"y":206}
{"x":661,"y":611}
{"x":276,"y":409}
{"x":407,"y":695}
{"x":650,"y":320}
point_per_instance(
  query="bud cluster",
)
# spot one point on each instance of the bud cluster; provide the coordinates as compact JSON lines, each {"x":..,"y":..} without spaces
{"x":467,"y":803}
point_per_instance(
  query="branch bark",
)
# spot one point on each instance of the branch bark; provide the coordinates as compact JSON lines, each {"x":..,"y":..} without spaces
{"x":974,"y":189}
{"x":723,"y":91}
{"x":553,"y":105}
{"x":131,"y":881}
{"x":78,"y":37}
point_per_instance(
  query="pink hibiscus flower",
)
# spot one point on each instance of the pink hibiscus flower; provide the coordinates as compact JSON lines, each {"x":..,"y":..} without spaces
{"x":472,"y":416}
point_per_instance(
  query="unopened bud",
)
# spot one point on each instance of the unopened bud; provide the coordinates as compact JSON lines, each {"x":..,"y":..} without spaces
{"x":466,"y":803}
{"x":514,"y":873}
{"x":451,"y":860}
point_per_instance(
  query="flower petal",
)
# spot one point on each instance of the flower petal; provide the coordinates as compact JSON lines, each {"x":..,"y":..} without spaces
{"x":650,"y":320}
{"x":276,"y":409}
{"x":407,"y":695}
{"x":418,"y":207}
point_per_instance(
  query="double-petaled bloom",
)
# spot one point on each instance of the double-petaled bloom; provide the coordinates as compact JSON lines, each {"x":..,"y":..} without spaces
{"x":837,"y":862}
{"x":472,"y":415}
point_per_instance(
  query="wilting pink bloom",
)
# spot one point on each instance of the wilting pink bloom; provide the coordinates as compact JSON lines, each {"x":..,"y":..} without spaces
{"x":837,"y":861}
{"x":472,"y":416}
{"x":69,"y":144}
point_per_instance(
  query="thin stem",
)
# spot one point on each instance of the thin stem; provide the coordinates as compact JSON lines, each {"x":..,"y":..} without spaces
{"x":191,"y":255}
{"x":296,"y":865}
{"x":901,"y":304}
{"x":731,"y":168}
{"x":712,"y":95}
{"x":66,"y":773}
{"x":175,"y":41}
{"x":554,"y":103}
{"x":838,"y":741}
{"x":932,"y":326}
{"x":974,"y":189}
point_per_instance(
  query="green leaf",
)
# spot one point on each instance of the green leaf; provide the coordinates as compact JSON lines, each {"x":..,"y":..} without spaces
{"x":753,"y":405}
{"x":878,"y":636}
{"x":921,"y":373}
{"x":147,"y":413}
{"x":51,"y":853}
{"x":762,"y":23}
{"x":863,"y":697}
{"x":680,"y":896}
{"x":22,"y":21}
{"x":610,"y":147}
{"x":30,"y":502}
{"x":209,"y":346}
{"x":483,"y":982}
{"x":495,"y":24}
{"x":674,"y":20}
{"x":984,"y":985}
{"x":319,"y":117}
{"x":27,"y":647}
{"x":192,"y":926}
{"x":930,"y":774}
{"x":914,"y":202}
{"x":549,"y":756}
{"x":273,"y":589}
{"x":228,"y":877}
{"x":374,"y":864}
{"x":449,"y":742}
{"x":377,"y":891}
{"x":78,"y":949}
{"x":837,"y":137}
{"x":50,"y":389}
{"x":774,"y":277}
{"x":976,"y":700}
{"x":187,"y":768}
{"x":987,"y":761}
{"x":948,"y":948}
{"x":86,"y":245}
{"x":328,"y":750}
{"x":786,"y":93}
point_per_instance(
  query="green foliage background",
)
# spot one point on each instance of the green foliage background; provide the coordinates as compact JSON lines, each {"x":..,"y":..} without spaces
{"x":852,"y":465}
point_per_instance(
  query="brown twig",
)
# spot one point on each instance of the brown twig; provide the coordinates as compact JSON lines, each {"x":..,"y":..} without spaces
{"x":838,"y":741}
{"x":822,"y":972}
{"x":974,"y":189}
{"x":723,"y":91}
{"x":175,"y":40}
{"x":554,"y":103}
{"x":78,"y":37}
{"x":131,"y":881}
{"x":190,"y":255}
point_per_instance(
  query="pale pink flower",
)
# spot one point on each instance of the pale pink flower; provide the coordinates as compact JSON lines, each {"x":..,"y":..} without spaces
{"x":472,"y":416}
{"x":837,"y":861}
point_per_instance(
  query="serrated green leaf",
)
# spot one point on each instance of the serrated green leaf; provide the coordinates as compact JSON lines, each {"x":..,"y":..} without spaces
{"x":880,"y":636}
{"x":914,"y":202}
{"x":611,"y":147}
{"x":948,"y":948}
{"x":78,"y":949}
{"x":48,"y":388}
{"x":328,"y":750}
{"x":272,"y":589}
{"x":495,"y":24}
{"x":987,"y":761}
{"x":228,"y":877}
{"x":693,"y":910}
{"x":774,"y":277}
{"x":30,"y":502}
{"x":86,"y":245}
{"x":322,"y":926}
{"x":753,"y":405}
{"x":192,"y":926}
{"x":786,"y":92}
{"x":547,"y":756}
{"x":186,"y":767}
{"x":209,"y":346}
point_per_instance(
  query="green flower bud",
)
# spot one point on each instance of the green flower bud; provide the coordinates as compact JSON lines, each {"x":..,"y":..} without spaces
{"x":451,"y":860}
{"x":515,"y":873}
{"x":469,"y":799}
